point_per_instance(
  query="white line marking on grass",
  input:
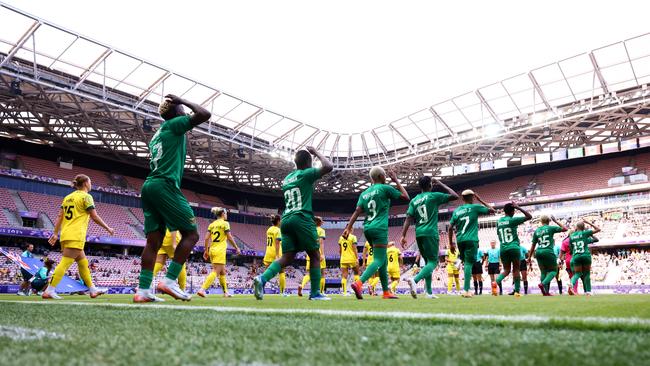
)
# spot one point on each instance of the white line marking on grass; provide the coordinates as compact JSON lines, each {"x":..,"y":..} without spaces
{"x":27,"y":334}
{"x":513,"y":319}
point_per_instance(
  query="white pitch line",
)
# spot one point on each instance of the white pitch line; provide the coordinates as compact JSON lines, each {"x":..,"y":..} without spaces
{"x":26,"y":334}
{"x":514,"y":319}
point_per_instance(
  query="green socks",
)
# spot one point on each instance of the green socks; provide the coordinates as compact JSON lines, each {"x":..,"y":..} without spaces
{"x":586,"y":279}
{"x":500,"y":278}
{"x":517,"y":284}
{"x":378,"y":261}
{"x":174,"y":270}
{"x":146,"y":277}
{"x":575,"y":278}
{"x":467,"y":278}
{"x":314,"y":273}
{"x":270,"y":272}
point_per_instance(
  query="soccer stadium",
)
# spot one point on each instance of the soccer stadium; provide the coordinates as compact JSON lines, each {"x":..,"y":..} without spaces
{"x":149,"y":217}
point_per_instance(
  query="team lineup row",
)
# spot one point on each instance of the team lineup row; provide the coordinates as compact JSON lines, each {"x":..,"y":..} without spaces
{"x":166,"y":211}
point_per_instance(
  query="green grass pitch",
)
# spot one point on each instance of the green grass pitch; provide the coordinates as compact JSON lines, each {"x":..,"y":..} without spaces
{"x":601,"y":330}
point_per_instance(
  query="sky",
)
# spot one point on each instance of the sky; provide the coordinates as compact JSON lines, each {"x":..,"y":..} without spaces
{"x":348,"y":65}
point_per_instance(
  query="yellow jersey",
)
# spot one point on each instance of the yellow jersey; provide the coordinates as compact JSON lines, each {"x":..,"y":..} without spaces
{"x":369,"y":251}
{"x":273,"y":239}
{"x":349,"y":252}
{"x":392,"y":255}
{"x":218,"y":230}
{"x":452,"y":257}
{"x":74,"y":224}
{"x":321,"y":235}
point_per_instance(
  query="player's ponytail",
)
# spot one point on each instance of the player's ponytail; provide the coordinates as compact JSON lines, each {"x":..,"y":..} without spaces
{"x":79,"y":181}
{"x":217,"y":211}
{"x":275,"y":219}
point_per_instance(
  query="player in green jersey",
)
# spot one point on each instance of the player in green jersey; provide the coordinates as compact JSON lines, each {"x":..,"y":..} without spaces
{"x":464,"y":222}
{"x":509,"y":239}
{"x":298,"y":226}
{"x":374,"y":202}
{"x":544,"y":250}
{"x":163,"y":204}
{"x":579,"y":240}
{"x":423,"y":209}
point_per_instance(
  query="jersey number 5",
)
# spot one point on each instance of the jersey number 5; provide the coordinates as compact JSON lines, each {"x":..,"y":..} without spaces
{"x":68,"y":212}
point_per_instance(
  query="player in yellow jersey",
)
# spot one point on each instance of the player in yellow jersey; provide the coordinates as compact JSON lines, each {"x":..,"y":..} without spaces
{"x":321,"y":241}
{"x":274,"y":250}
{"x":349,"y":260}
{"x":367,"y":258}
{"x":395,"y":261}
{"x":451,"y":257}
{"x":77,"y":209}
{"x":166,"y":251}
{"x":215,"y":250}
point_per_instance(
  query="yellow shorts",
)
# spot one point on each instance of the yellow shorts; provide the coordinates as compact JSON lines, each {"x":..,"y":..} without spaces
{"x":350,"y":265}
{"x":73,"y":244}
{"x":452,"y":270}
{"x":267,"y":263}
{"x":217,"y":256}
{"x":168,"y":250}
{"x":323,"y":264}
{"x":394,"y":274}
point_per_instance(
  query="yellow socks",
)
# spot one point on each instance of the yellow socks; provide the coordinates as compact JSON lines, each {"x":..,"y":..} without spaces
{"x":156,"y":268}
{"x":223,"y":283}
{"x":450,"y":283}
{"x":322,"y":285}
{"x":283,"y":282}
{"x":344,"y":285}
{"x":393,"y":285}
{"x":457,"y":279}
{"x":356,"y":278}
{"x":305,"y":280}
{"x":182,"y":277}
{"x":84,"y":272}
{"x":209,"y":280}
{"x":373,"y":282}
{"x":60,"y":271}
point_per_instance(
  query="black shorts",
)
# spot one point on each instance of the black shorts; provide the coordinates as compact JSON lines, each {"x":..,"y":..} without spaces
{"x":26,"y":275}
{"x":523,"y":266}
{"x":477,"y":268}
{"x":493,"y":268}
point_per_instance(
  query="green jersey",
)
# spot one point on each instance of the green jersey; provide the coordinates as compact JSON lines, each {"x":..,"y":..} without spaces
{"x":465,"y":221}
{"x":579,"y":243}
{"x":298,"y":188}
{"x":543,"y":237}
{"x":507,"y":231}
{"x":168,"y":151}
{"x":375,"y":202}
{"x":424,"y":209}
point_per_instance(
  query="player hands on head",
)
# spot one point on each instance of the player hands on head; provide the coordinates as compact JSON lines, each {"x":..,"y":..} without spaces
{"x":298,"y":227}
{"x":163,"y":204}
{"x":374,"y":203}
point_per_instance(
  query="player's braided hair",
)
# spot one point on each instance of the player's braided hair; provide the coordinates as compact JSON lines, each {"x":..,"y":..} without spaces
{"x":165,"y":107}
{"x":79,"y":180}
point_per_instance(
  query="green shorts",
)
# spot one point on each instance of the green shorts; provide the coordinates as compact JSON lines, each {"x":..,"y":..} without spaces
{"x":468,"y":250}
{"x":428,"y":247}
{"x":376,"y":237}
{"x":582,"y":260}
{"x":546,"y":260}
{"x":299,"y":234}
{"x":164,"y":206}
{"x":511,"y":255}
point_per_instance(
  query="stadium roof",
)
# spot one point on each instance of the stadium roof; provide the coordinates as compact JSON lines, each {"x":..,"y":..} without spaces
{"x":93,"y":98}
